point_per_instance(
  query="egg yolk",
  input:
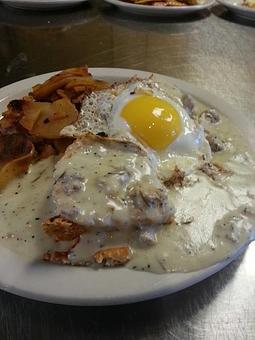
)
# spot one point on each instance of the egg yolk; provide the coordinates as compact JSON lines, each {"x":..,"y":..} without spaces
{"x":153,"y":120}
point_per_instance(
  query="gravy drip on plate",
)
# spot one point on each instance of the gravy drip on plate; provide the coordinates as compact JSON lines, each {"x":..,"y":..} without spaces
{"x":24,"y":204}
{"x":214,"y":216}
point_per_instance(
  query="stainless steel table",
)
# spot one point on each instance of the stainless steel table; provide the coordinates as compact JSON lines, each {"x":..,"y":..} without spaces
{"x":215,"y":51}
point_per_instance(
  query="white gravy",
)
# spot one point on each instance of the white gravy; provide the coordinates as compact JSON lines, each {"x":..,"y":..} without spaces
{"x":213,"y":218}
{"x":105,"y":186}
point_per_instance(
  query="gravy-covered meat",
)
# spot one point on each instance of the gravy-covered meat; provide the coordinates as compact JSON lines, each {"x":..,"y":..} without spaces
{"x":105,"y":183}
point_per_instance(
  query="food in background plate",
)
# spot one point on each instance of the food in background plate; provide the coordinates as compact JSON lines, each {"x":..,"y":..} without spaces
{"x":165,"y":3}
{"x":249,"y":3}
{"x":136,"y":174}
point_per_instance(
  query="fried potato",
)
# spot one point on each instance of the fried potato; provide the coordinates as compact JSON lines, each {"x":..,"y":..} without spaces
{"x":62,"y":230}
{"x":249,"y":3}
{"x":111,"y":257}
{"x":41,"y":119}
{"x":46,"y":120}
{"x":14,"y":168}
{"x":57,"y":257}
{"x":9,"y":122}
{"x":81,"y":83}
{"x":7,"y":126}
{"x":28,"y":132}
{"x":45,"y":151}
{"x":15,"y":109}
{"x":164,"y":3}
{"x":43,"y":91}
{"x":13,"y":147}
{"x":41,"y":116}
{"x":31,"y":113}
{"x":69,"y":83}
{"x":61,"y":144}
{"x":191,"y":2}
{"x":16,"y":154}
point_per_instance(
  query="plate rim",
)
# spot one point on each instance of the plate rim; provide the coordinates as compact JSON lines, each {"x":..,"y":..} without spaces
{"x":41,"y":4}
{"x":235,"y":7}
{"x":161,"y":284}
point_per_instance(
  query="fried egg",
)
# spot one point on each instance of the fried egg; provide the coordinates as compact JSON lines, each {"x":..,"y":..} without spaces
{"x":107,"y":197}
{"x":141,"y":111}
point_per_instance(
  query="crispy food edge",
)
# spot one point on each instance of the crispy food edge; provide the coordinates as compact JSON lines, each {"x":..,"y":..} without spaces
{"x":41,"y":122}
{"x":111,"y":257}
{"x":88,"y":138}
{"x":62,"y":230}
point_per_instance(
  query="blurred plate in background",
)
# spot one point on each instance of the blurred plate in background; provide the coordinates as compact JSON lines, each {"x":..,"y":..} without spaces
{"x":158,"y":10}
{"x":41,"y":4}
{"x":236,"y":7}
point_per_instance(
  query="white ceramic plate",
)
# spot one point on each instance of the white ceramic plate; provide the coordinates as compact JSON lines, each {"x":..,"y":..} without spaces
{"x":235,"y":6}
{"x":85,"y":286}
{"x":159,"y":11}
{"x":41,"y":4}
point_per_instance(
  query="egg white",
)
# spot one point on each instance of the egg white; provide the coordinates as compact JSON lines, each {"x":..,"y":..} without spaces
{"x":191,"y":141}
{"x":101,"y":112}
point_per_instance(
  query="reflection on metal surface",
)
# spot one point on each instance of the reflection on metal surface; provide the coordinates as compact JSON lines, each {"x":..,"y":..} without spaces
{"x":15,"y":63}
{"x":211,"y":52}
{"x":61,"y":18}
